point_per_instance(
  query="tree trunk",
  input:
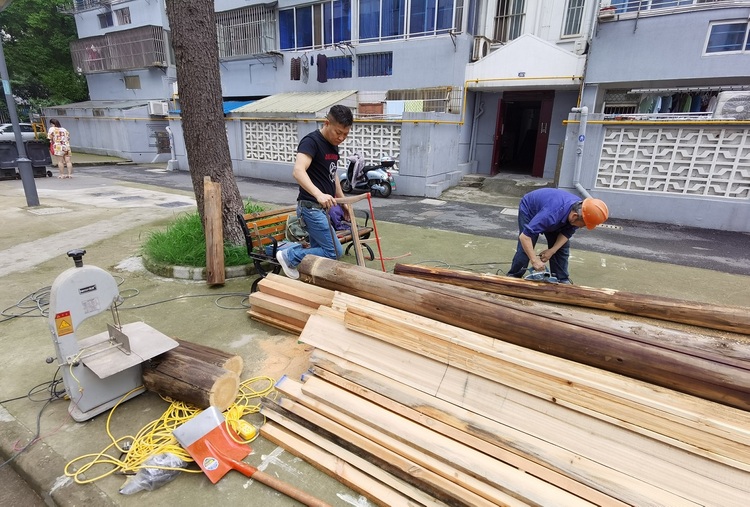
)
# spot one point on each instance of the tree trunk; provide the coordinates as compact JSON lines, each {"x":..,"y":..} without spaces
{"x":196,"y":51}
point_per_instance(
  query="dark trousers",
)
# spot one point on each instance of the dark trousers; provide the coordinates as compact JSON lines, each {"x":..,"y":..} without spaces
{"x":558,"y":264}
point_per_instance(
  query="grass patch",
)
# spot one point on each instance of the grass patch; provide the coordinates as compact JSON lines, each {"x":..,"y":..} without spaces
{"x":182,"y":243}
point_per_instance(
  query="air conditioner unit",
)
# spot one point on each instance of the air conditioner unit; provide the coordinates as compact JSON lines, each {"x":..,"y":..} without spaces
{"x":733,"y":105}
{"x":158,"y":108}
{"x":481,"y":48}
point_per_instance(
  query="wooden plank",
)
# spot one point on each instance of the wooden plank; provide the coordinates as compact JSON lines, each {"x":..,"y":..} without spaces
{"x":251,"y":217}
{"x":277,"y":305}
{"x":722,"y":430}
{"x":298,"y":292}
{"x":359,"y":458}
{"x":364,"y":484}
{"x":524,"y":428}
{"x":609,"y":351}
{"x":727,"y":318}
{"x":276,"y":322}
{"x":427,"y":411}
{"x":409,"y":460}
{"x":476,"y":471}
{"x":212,"y":216}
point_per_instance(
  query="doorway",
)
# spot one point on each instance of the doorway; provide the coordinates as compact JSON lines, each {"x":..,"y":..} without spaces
{"x":522,"y":133}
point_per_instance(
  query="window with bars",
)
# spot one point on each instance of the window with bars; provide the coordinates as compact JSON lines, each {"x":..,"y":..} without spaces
{"x":509,"y":20}
{"x":375,"y":64}
{"x":573,"y":17}
{"x":315,"y":26}
{"x":246,"y":31}
{"x":123,"y":16}
{"x":339,"y":67}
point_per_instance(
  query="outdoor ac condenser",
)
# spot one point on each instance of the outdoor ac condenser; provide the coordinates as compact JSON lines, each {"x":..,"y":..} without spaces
{"x":733,"y":105}
{"x":158,"y":108}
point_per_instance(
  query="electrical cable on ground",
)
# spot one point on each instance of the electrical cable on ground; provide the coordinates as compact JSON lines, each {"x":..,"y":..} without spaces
{"x":156,"y":437}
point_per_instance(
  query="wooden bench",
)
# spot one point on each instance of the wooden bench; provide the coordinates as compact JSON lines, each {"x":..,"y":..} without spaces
{"x":265,"y":234}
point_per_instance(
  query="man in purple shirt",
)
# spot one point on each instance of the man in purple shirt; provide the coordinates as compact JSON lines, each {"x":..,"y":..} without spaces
{"x":557,"y":214}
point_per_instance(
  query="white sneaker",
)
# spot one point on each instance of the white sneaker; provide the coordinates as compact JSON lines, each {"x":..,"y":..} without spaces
{"x":289,"y":271}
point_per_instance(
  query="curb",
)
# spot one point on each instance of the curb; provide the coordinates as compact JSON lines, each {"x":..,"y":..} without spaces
{"x":193,"y":272}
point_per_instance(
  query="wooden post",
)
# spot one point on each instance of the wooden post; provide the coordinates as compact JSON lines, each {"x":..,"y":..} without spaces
{"x":214,"y":232}
{"x":347,"y":202}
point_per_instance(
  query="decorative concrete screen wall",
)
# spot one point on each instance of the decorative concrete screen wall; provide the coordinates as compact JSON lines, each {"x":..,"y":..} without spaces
{"x":677,"y":159}
{"x":276,"y":141}
{"x":272,"y":141}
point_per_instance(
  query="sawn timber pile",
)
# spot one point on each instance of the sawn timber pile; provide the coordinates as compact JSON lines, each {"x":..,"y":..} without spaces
{"x":409,"y":409}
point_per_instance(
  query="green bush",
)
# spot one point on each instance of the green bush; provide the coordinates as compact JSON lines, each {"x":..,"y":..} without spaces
{"x":182,"y":243}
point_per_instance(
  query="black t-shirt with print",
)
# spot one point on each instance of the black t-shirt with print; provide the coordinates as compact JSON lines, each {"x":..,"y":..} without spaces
{"x":323,"y":168}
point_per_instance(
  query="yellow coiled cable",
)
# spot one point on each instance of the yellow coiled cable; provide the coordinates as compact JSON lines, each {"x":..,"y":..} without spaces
{"x":156,"y":437}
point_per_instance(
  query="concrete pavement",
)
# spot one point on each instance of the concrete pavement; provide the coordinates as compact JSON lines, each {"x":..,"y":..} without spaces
{"x":110,"y":217}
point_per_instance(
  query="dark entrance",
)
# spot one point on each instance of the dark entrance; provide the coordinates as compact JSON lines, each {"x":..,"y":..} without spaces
{"x":522,"y":133}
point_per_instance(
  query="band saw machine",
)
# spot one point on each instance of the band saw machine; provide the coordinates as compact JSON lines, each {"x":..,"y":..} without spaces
{"x":101,"y":370}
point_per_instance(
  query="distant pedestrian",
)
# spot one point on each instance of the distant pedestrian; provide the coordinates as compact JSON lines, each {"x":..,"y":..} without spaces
{"x":315,"y":172}
{"x":557,"y":214}
{"x":59,"y":148}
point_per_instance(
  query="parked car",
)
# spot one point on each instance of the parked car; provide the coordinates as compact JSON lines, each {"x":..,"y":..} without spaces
{"x":6,"y":132}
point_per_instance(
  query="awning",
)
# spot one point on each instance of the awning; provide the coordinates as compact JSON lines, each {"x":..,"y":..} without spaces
{"x":314,"y":103}
{"x":229,"y":106}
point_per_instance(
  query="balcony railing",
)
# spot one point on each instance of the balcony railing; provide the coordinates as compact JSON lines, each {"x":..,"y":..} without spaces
{"x":75,"y":6}
{"x":140,"y":48}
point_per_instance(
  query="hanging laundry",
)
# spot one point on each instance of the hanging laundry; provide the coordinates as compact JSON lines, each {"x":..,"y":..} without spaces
{"x":295,"y":69}
{"x":666,"y":104}
{"x":305,"y":68}
{"x":322,"y":68}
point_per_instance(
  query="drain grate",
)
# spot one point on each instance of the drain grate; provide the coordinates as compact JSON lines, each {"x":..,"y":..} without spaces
{"x":609,"y":226}
{"x":48,"y":211}
{"x":174,"y":204}
{"x":509,"y":211}
{"x":104,"y":194}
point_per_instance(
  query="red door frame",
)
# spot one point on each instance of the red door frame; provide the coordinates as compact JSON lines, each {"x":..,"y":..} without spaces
{"x":546,"y":100}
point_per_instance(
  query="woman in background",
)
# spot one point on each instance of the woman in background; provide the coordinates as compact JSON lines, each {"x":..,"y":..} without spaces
{"x":59,"y":147}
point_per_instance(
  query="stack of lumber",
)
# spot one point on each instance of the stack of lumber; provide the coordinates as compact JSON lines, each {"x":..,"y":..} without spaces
{"x":197,"y":374}
{"x":412,"y":411}
{"x":286,"y":304}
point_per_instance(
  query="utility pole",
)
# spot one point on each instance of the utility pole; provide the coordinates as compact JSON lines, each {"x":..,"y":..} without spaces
{"x":24,"y":163}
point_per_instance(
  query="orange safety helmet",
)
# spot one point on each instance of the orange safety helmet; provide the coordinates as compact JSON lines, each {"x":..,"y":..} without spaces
{"x":594,"y":212}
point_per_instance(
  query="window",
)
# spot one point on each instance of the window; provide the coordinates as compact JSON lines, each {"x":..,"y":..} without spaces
{"x":246,"y":31}
{"x":123,"y":16}
{"x":132,"y":82}
{"x":725,"y":37}
{"x":573,"y":16}
{"x":105,"y":20}
{"x":645,"y":5}
{"x":375,"y":64}
{"x":509,"y":19}
{"x":315,"y":26}
{"x":339,"y":67}
{"x":381,"y":19}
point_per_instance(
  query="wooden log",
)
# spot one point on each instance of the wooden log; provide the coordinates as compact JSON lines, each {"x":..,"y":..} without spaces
{"x":211,"y":355}
{"x":611,"y":351}
{"x":214,"y":232}
{"x":191,"y":380}
{"x":726,"y":318}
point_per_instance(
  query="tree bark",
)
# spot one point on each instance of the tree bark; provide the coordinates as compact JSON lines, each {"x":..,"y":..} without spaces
{"x":196,"y":49}
{"x":191,"y":380}
{"x":725,"y":318}
{"x":705,"y":377}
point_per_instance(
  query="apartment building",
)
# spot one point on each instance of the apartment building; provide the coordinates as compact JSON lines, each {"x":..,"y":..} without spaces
{"x":666,"y":137}
{"x":448,"y":87}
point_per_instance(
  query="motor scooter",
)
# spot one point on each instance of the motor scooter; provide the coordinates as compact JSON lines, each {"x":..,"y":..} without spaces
{"x":375,"y":179}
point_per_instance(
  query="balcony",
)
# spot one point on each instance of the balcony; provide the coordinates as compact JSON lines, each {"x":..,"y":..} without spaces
{"x":76,"y":6}
{"x":140,"y":48}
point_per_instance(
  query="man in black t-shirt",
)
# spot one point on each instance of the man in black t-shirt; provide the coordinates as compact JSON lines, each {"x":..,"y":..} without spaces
{"x":315,"y":170}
